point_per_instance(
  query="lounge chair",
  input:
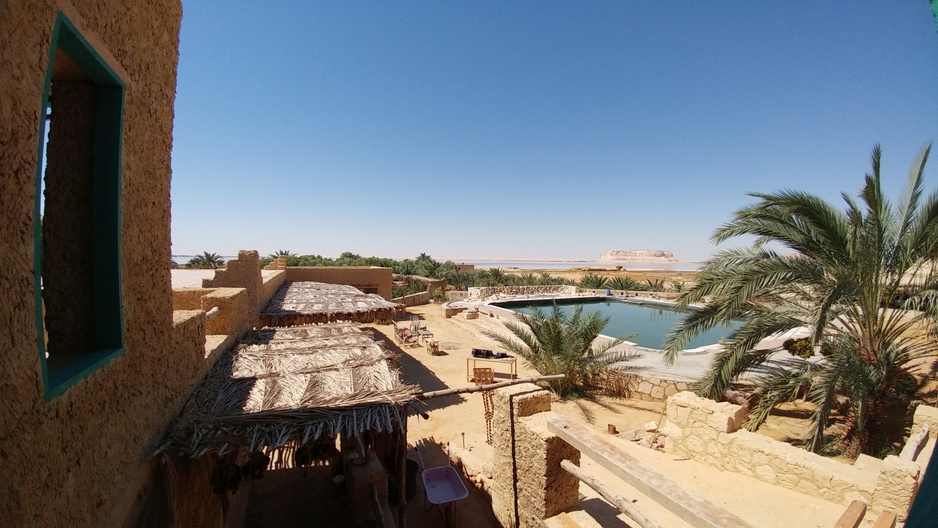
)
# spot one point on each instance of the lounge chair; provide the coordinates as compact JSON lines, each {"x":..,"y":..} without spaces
{"x":405,"y":337}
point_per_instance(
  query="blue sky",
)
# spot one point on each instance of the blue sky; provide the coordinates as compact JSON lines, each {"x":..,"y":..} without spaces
{"x":532,"y":129}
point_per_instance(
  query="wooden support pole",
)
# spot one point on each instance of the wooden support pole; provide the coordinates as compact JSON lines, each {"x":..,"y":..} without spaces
{"x":852,"y":516}
{"x":463,"y":390}
{"x":376,"y":506}
{"x":625,"y":506}
{"x":402,"y":472}
{"x":886,"y":520}
{"x":684,"y":503}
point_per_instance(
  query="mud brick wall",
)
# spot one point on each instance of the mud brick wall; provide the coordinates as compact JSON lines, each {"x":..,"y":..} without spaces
{"x":526,"y":459}
{"x":82,"y":458}
{"x":242,"y":272}
{"x":360,"y":277}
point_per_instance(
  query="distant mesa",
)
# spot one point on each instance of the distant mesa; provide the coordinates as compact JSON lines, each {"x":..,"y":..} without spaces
{"x":637,"y":255}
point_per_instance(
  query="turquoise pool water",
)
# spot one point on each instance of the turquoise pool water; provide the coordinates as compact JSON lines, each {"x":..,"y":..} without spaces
{"x":649,"y":323}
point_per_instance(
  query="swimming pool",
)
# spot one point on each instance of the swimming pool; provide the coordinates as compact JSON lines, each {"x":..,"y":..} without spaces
{"x":649,"y":323}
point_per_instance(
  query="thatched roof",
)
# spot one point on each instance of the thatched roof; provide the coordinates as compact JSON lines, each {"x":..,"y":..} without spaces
{"x":289,"y":386}
{"x":301,"y":303}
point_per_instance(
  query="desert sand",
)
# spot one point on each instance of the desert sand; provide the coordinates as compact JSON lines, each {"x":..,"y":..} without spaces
{"x":458,"y":421}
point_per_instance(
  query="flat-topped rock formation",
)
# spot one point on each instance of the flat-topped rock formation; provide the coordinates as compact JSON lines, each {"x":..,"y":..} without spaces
{"x":637,"y":255}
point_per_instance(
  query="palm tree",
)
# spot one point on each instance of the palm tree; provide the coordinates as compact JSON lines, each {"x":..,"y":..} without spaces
{"x":562,"y":344}
{"x":282,"y":253}
{"x":546,"y":279}
{"x":206,"y":261}
{"x":494,"y":277}
{"x":854,"y":279}
{"x":592,"y":281}
{"x":626,"y":283}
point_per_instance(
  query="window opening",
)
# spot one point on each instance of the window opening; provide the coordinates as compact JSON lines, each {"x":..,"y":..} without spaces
{"x":80,"y":314}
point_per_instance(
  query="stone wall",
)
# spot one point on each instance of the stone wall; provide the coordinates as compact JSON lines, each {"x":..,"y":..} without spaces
{"x":455,"y":295}
{"x":925,"y":414}
{"x":642,"y":386}
{"x":528,"y":484}
{"x":642,"y":294}
{"x":415,"y":299}
{"x":709,"y":432}
{"x":494,"y":292}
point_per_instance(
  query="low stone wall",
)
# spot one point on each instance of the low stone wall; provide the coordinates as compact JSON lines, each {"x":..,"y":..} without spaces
{"x":665,"y":296}
{"x":513,"y":291}
{"x":526,"y":472}
{"x":925,"y":414}
{"x":457,"y":295}
{"x":709,"y":432}
{"x":415,"y":299}
{"x":645,"y":387}
{"x":653,"y":388}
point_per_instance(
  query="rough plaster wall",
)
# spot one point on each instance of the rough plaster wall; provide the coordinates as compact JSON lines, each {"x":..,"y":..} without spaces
{"x":195,"y":504}
{"x":234,"y":317}
{"x":351,"y":275}
{"x":544,"y":488}
{"x":511,"y":403}
{"x":76,"y":461}
{"x":189,"y":336}
{"x":242,"y":272}
{"x":272,"y":283}
{"x":188,"y":298}
{"x":67,"y":263}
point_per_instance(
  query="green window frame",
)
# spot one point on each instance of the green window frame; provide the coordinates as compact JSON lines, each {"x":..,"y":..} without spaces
{"x":105,"y":216}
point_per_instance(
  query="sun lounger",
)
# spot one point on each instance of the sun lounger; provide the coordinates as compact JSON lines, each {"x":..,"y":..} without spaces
{"x":405,"y":338}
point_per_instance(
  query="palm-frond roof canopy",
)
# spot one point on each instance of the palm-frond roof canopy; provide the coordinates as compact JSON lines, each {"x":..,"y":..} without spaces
{"x":302,"y":303}
{"x":292,"y":386}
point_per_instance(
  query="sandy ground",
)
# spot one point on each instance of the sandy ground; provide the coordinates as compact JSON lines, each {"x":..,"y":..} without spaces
{"x":459,"y":422}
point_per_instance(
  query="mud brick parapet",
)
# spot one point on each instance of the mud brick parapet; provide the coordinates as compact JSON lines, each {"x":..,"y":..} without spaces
{"x":526,"y":471}
{"x":242,"y":272}
{"x":711,"y":433}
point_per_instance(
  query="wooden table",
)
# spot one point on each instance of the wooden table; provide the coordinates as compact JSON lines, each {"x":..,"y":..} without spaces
{"x":511,"y":361}
{"x":423,"y":333}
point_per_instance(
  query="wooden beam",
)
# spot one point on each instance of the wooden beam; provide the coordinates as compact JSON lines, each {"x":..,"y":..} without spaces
{"x":852,"y":517}
{"x":625,"y":506}
{"x":684,"y":503}
{"x":500,"y":384}
{"x":402,"y":473}
{"x":886,"y":520}
{"x":566,"y":521}
{"x":914,"y":445}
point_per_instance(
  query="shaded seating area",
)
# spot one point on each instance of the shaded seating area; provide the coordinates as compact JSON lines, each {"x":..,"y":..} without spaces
{"x":305,"y":303}
{"x":301,"y":396}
